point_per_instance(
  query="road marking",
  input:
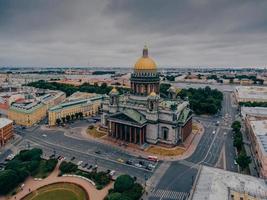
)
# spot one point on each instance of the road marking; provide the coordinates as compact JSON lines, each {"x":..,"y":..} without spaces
{"x":170,"y":194}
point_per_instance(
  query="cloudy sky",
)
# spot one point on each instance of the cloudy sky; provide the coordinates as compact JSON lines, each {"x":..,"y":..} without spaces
{"x":113,"y":32}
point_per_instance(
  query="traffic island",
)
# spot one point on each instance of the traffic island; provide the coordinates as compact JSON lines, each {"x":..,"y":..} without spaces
{"x":95,"y":132}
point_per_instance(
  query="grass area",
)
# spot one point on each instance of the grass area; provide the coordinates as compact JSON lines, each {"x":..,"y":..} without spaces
{"x":93,"y":132}
{"x":165,"y":151}
{"x":64,"y":191}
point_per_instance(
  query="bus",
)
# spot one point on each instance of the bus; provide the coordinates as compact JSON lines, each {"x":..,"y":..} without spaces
{"x":153,"y":158}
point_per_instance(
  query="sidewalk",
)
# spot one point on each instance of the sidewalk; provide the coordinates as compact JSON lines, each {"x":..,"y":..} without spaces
{"x":30,"y":185}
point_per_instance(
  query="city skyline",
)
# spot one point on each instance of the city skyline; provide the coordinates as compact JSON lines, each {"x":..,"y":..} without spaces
{"x":112,"y":33}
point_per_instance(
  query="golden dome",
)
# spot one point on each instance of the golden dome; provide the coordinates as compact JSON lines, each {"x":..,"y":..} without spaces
{"x":153,"y":94}
{"x":145,"y":63}
{"x":114,"y":90}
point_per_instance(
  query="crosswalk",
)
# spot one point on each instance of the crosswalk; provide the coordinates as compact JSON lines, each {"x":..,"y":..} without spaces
{"x":169,"y":194}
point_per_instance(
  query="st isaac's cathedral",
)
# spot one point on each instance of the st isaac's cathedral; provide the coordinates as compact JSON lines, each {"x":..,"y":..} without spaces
{"x":142,"y":116}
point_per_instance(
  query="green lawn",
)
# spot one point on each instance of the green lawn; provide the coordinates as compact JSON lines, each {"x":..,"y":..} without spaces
{"x":58,"y":191}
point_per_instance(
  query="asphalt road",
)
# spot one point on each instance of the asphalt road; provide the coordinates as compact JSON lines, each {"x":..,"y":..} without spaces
{"x":84,"y":150}
{"x":177,"y":181}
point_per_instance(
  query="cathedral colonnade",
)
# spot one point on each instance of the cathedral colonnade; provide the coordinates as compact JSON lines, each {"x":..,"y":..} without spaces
{"x":127,"y":133}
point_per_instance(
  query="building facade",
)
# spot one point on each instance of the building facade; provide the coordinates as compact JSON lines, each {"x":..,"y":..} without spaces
{"x":74,"y":109}
{"x":256,"y":130}
{"x":143,"y":116}
{"x":27,"y":114}
{"x":6,"y":130}
{"x":250,"y":94}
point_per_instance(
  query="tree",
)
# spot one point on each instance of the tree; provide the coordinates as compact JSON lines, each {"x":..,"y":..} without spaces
{"x":8,"y":181}
{"x":68,"y":118}
{"x":123,"y":183}
{"x":72,"y":116}
{"x":135,"y":192}
{"x":63,"y":119}
{"x":76,"y":115}
{"x":58,"y":121}
{"x":236,"y":126}
{"x":67,"y":167}
{"x":238,"y":142}
{"x":81,"y":115}
{"x":243,"y":160}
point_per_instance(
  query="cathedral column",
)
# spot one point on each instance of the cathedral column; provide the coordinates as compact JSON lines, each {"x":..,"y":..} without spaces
{"x":125,"y":132}
{"x":130,"y":140}
{"x":144,"y":135}
{"x":140,"y":136}
{"x":135,"y":138}
{"x":116,"y":132}
{"x":121,"y":131}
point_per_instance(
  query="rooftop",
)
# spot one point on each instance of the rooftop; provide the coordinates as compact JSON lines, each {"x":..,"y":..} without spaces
{"x":76,"y":102}
{"x":26,"y":107}
{"x":214,"y":183}
{"x":253,"y":111}
{"x":4,"y":122}
{"x":259,"y":128}
{"x":251,"y":92}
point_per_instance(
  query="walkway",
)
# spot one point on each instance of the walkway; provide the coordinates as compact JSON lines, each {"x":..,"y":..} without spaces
{"x":31,"y":185}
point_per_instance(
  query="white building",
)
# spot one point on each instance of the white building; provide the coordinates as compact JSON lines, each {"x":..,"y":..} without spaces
{"x":217,"y":184}
{"x":250,"y":94}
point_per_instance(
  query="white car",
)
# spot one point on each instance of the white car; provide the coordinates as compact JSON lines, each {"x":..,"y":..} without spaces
{"x":235,"y":162}
{"x":44,"y":135}
{"x":112,"y":173}
{"x":79,"y":163}
{"x":225,"y":133}
{"x":151,"y":166}
{"x":138,"y":165}
{"x":213,"y":132}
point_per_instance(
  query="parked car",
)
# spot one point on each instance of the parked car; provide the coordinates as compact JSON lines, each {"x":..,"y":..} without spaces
{"x":138,"y":165}
{"x":80,"y":162}
{"x":112,"y":173}
{"x":98,"y":152}
{"x":120,"y":160}
{"x":73,"y":158}
{"x":85,"y":165}
{"x":129,"y":162}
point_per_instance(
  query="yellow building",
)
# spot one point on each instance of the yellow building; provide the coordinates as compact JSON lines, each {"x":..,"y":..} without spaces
{"x":73,"y":109}
{"x":27,"y":114}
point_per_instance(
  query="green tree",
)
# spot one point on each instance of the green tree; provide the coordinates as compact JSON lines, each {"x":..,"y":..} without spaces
{"x":123,"y":183}
{"x":58,"y":121}
{"x":68,"y":118}
{"x":243,"y":160}
{"x":72,"y":116}
{"x":238,"y":142}
{"x":8,"y":181}
{"x":67,"y":167}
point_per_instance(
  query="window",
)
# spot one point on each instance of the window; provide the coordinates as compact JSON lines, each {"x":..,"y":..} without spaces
{"x":165,"y":133}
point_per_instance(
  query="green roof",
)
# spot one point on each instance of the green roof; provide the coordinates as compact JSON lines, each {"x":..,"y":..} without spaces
{"x":74,"y":103}
{"x":184,"y":115}
{"x":129,"y":115}
{"x":136,"y":116}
